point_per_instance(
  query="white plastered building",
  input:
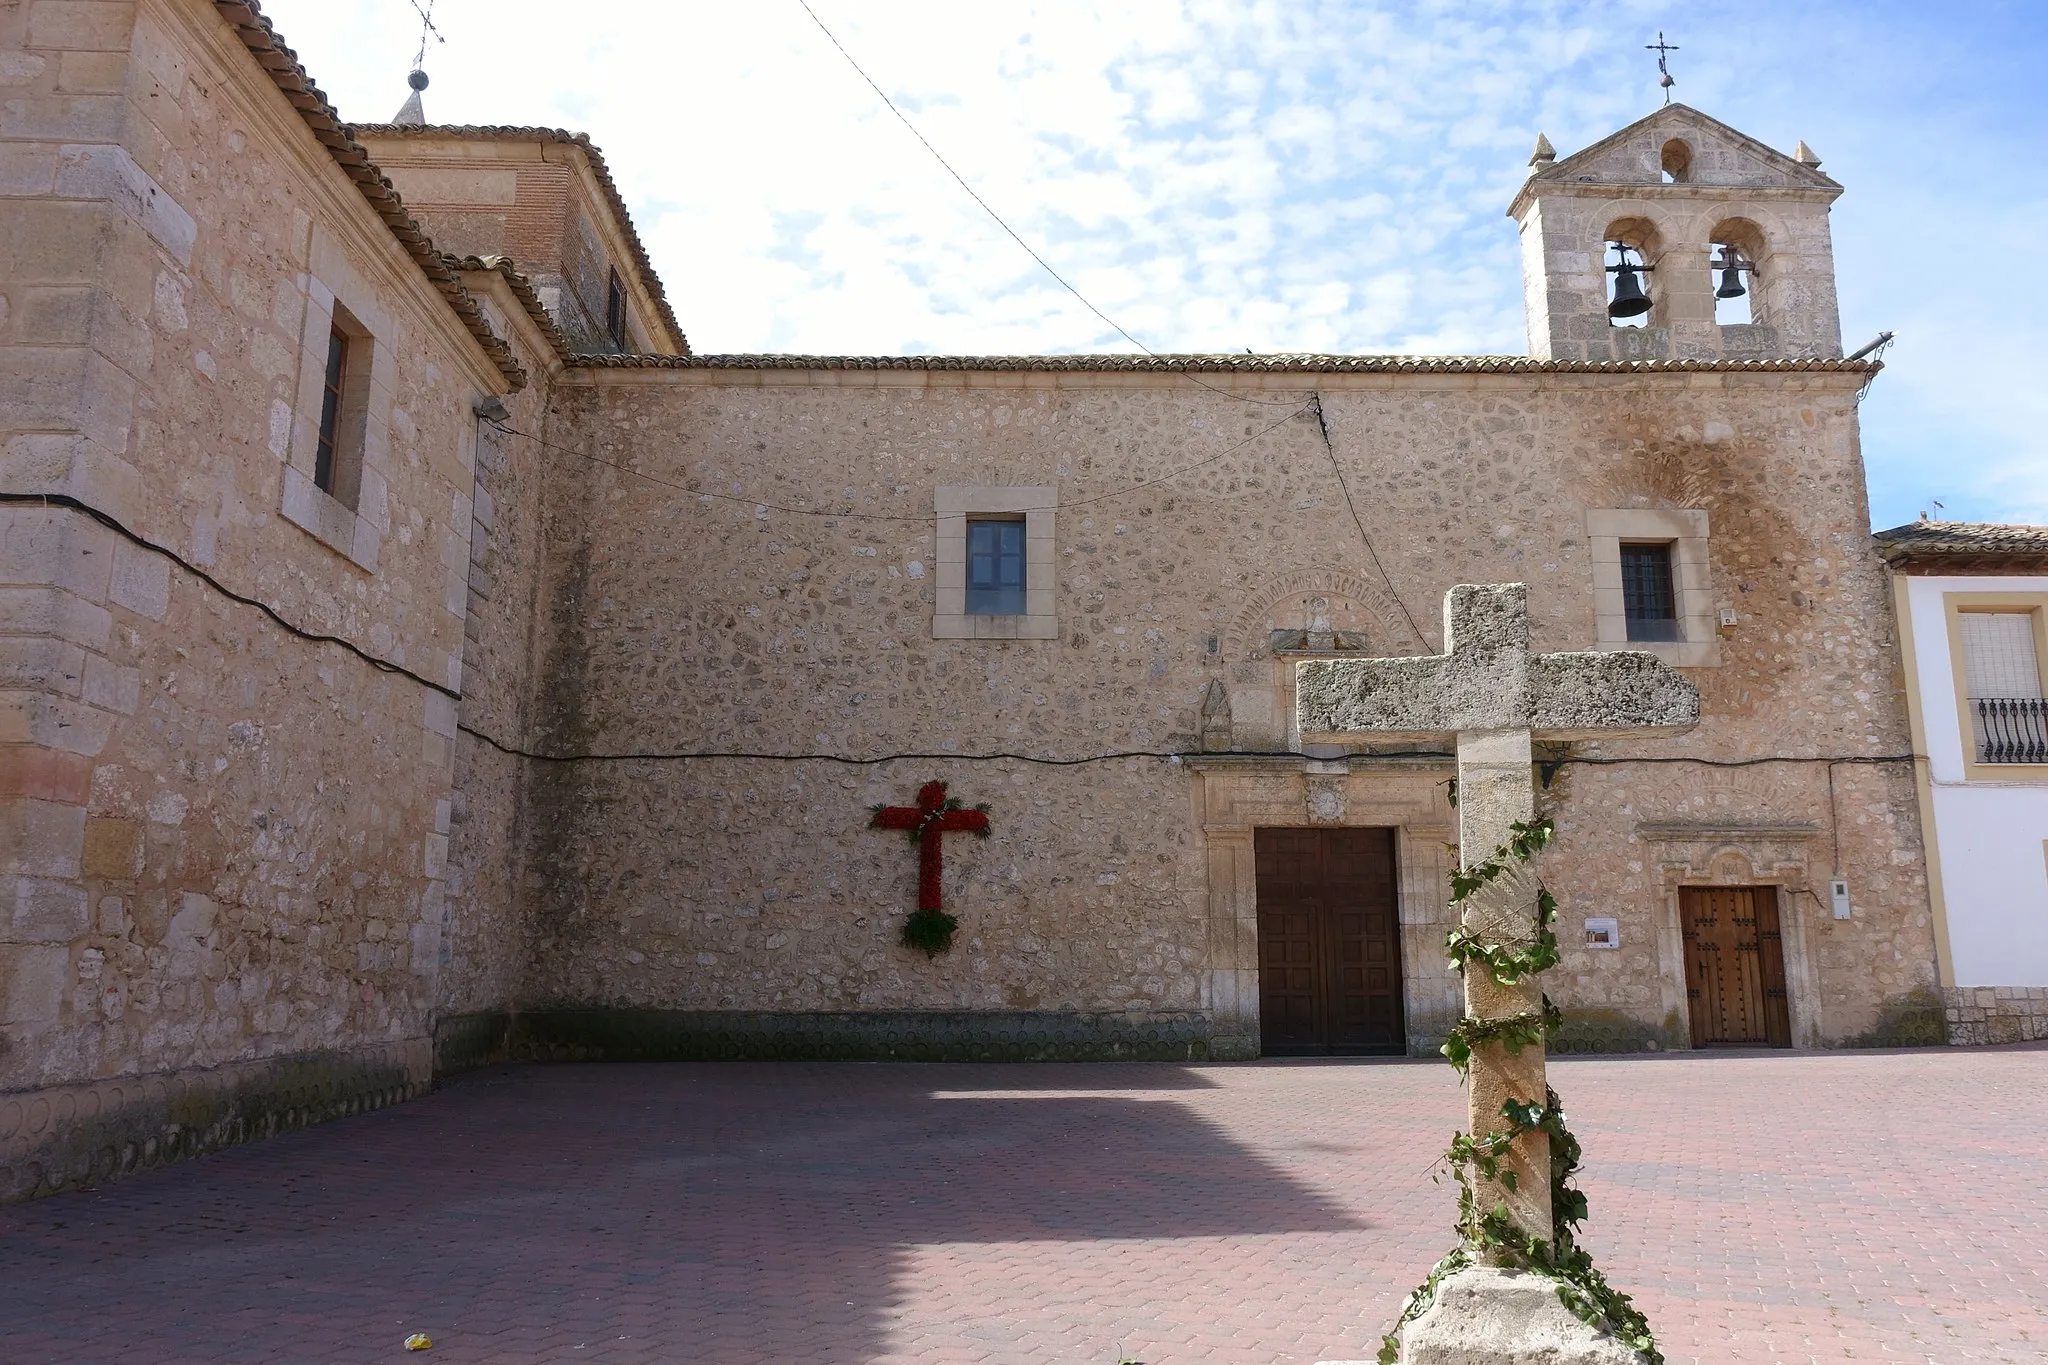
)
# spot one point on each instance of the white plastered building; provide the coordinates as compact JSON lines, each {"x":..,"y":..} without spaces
{"x":1972,"y":603}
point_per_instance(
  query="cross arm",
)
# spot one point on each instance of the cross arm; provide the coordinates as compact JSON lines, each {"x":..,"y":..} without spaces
{"x":1489,"y":679}
{"x":896,"y":817}
{"x":1383,"y":696}
{"x":1586,"y":694}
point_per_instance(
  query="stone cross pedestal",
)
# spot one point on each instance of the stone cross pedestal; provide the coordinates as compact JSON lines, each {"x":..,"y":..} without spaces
{"x":1496,"y":697}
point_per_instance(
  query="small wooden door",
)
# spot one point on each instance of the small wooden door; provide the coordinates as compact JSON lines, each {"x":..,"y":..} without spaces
{"x":1329,"y":942}
{"x":1735,"y":966}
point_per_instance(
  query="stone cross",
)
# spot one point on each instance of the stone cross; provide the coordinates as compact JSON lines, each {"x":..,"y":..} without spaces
{"x":1496,"y":697}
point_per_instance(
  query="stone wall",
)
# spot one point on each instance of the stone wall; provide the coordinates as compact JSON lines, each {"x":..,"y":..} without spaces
{"x":1980,"y":1015}
{"x":682,"y":622}
{"x":224,"y":842}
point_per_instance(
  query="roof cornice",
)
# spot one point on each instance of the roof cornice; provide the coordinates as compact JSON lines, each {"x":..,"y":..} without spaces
{"x":1227,"y":364}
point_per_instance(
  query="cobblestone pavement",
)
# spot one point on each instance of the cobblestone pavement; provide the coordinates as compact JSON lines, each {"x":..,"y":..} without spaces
{"x":1763,"y":1208}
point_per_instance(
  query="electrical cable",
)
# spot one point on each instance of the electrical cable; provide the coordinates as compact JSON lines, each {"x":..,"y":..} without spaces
{"x":119,"y":528}
{"x":1044,"y":264}
{"x":1323,"y":425}
{"x":289,"y":627}
{"x":1734,"y":762}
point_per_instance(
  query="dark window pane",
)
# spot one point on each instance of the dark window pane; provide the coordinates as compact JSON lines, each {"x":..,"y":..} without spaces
{"x":330,"y":409}
{"x":615,"y":311}
{"x":995,"y":568}
{"x":1647,"y":597}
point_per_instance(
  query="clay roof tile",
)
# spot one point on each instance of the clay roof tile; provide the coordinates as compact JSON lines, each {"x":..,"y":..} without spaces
{"x":1955,"y":546}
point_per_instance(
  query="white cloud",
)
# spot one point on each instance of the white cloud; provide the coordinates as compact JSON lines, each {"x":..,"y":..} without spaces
{"x":1219,"y":175}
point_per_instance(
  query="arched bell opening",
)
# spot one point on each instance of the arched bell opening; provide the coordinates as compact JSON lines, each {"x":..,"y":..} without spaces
{"x":1633,"y":247}
{"x":1735,"y":250}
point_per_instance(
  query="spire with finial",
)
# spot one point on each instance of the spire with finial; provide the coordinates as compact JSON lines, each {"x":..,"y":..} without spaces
{"x":412,"y":114}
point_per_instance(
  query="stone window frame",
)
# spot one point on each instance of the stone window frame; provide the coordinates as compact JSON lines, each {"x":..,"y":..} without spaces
{"x":955,"y":505}
{"x":354,"y":528}
{"x":1953,"y":605}
{"x":1685,"y":531}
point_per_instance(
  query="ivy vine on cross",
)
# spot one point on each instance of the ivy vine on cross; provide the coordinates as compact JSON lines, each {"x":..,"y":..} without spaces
{"x":934,"y":816}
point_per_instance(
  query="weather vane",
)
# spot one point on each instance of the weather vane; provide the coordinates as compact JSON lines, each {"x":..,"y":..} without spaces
{"x":1663,"y":51}
{"x":426,"y":13}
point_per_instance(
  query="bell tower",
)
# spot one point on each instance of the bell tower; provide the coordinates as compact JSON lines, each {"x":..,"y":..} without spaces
{"x":1726,"y":239}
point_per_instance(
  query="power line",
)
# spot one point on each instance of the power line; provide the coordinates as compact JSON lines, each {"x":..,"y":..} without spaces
{"x":115,"y":525}
{"x":973,"y":194}
{"x":290,"y":627}
{"x":1323,"y":425}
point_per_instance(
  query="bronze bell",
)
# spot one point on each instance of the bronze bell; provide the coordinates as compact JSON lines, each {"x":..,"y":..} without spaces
{"x":1629,"y":298}
{"x":1731,"y":282}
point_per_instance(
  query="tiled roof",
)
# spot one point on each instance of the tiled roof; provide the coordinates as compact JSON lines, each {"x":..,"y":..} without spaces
{"x":648,"y":279}
{"x":1233,"y":364}
{"x":1958,"y":544}
{"x":282,"y":66}
{"x":522,"y":288}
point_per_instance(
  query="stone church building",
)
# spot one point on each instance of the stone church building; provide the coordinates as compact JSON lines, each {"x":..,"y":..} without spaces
{"x":415,"y":655}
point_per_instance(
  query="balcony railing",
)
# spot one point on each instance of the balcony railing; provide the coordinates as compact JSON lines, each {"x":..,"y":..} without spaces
{"x":2011,"y":729}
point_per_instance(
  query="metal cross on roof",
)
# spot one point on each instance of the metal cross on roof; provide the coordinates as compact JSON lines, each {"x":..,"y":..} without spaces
{"x":1663,"y":51}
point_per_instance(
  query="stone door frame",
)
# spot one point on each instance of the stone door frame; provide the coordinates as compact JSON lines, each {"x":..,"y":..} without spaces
{"x":1683,"y":855}
{"x":1233,"y":795}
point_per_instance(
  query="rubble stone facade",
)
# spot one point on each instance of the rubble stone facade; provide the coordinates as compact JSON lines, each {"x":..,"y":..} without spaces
{"x":560,"y":736}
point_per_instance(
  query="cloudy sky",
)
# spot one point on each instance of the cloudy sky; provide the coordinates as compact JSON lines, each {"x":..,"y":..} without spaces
{"x":1279,"y":177}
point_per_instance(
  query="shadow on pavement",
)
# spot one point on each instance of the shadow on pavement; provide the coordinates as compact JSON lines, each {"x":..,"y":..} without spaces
{"x":736,"y":1212}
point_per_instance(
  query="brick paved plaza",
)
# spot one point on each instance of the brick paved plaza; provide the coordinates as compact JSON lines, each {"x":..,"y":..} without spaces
{"x":1845,"y":1207}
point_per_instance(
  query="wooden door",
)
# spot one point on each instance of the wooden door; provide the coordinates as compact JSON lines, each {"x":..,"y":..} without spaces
{"x":1329,"y":942}
{"x":1735,"y":966}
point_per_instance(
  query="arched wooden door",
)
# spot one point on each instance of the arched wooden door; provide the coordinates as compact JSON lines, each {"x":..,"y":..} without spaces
{"x":1735,"y":966}
{"x":1329,"y":942}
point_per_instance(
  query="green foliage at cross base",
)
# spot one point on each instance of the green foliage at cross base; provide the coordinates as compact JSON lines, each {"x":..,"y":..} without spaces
{"x":929,"y":931}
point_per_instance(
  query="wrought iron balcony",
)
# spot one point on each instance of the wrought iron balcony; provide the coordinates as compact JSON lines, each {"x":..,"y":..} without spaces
{"x":2011,"y":729}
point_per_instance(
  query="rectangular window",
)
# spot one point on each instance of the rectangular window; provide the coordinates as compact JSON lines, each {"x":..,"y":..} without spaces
{"x":995,"y":568}
{"x":330,"y":408}
{"x":615,"y":311}
{"x":2002,"y":674}
{"x":1648,"y":597}
{"x":344,"y":409}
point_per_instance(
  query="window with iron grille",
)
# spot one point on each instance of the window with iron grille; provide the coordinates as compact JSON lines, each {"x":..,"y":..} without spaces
{"x":1648,"y":595}
{"x":995,"y":568}
{"x":2002,"y":675}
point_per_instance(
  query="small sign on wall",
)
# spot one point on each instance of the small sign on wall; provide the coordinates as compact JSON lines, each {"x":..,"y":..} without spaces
{"x":1838,"y":898}
{"x":1603,"y":932}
